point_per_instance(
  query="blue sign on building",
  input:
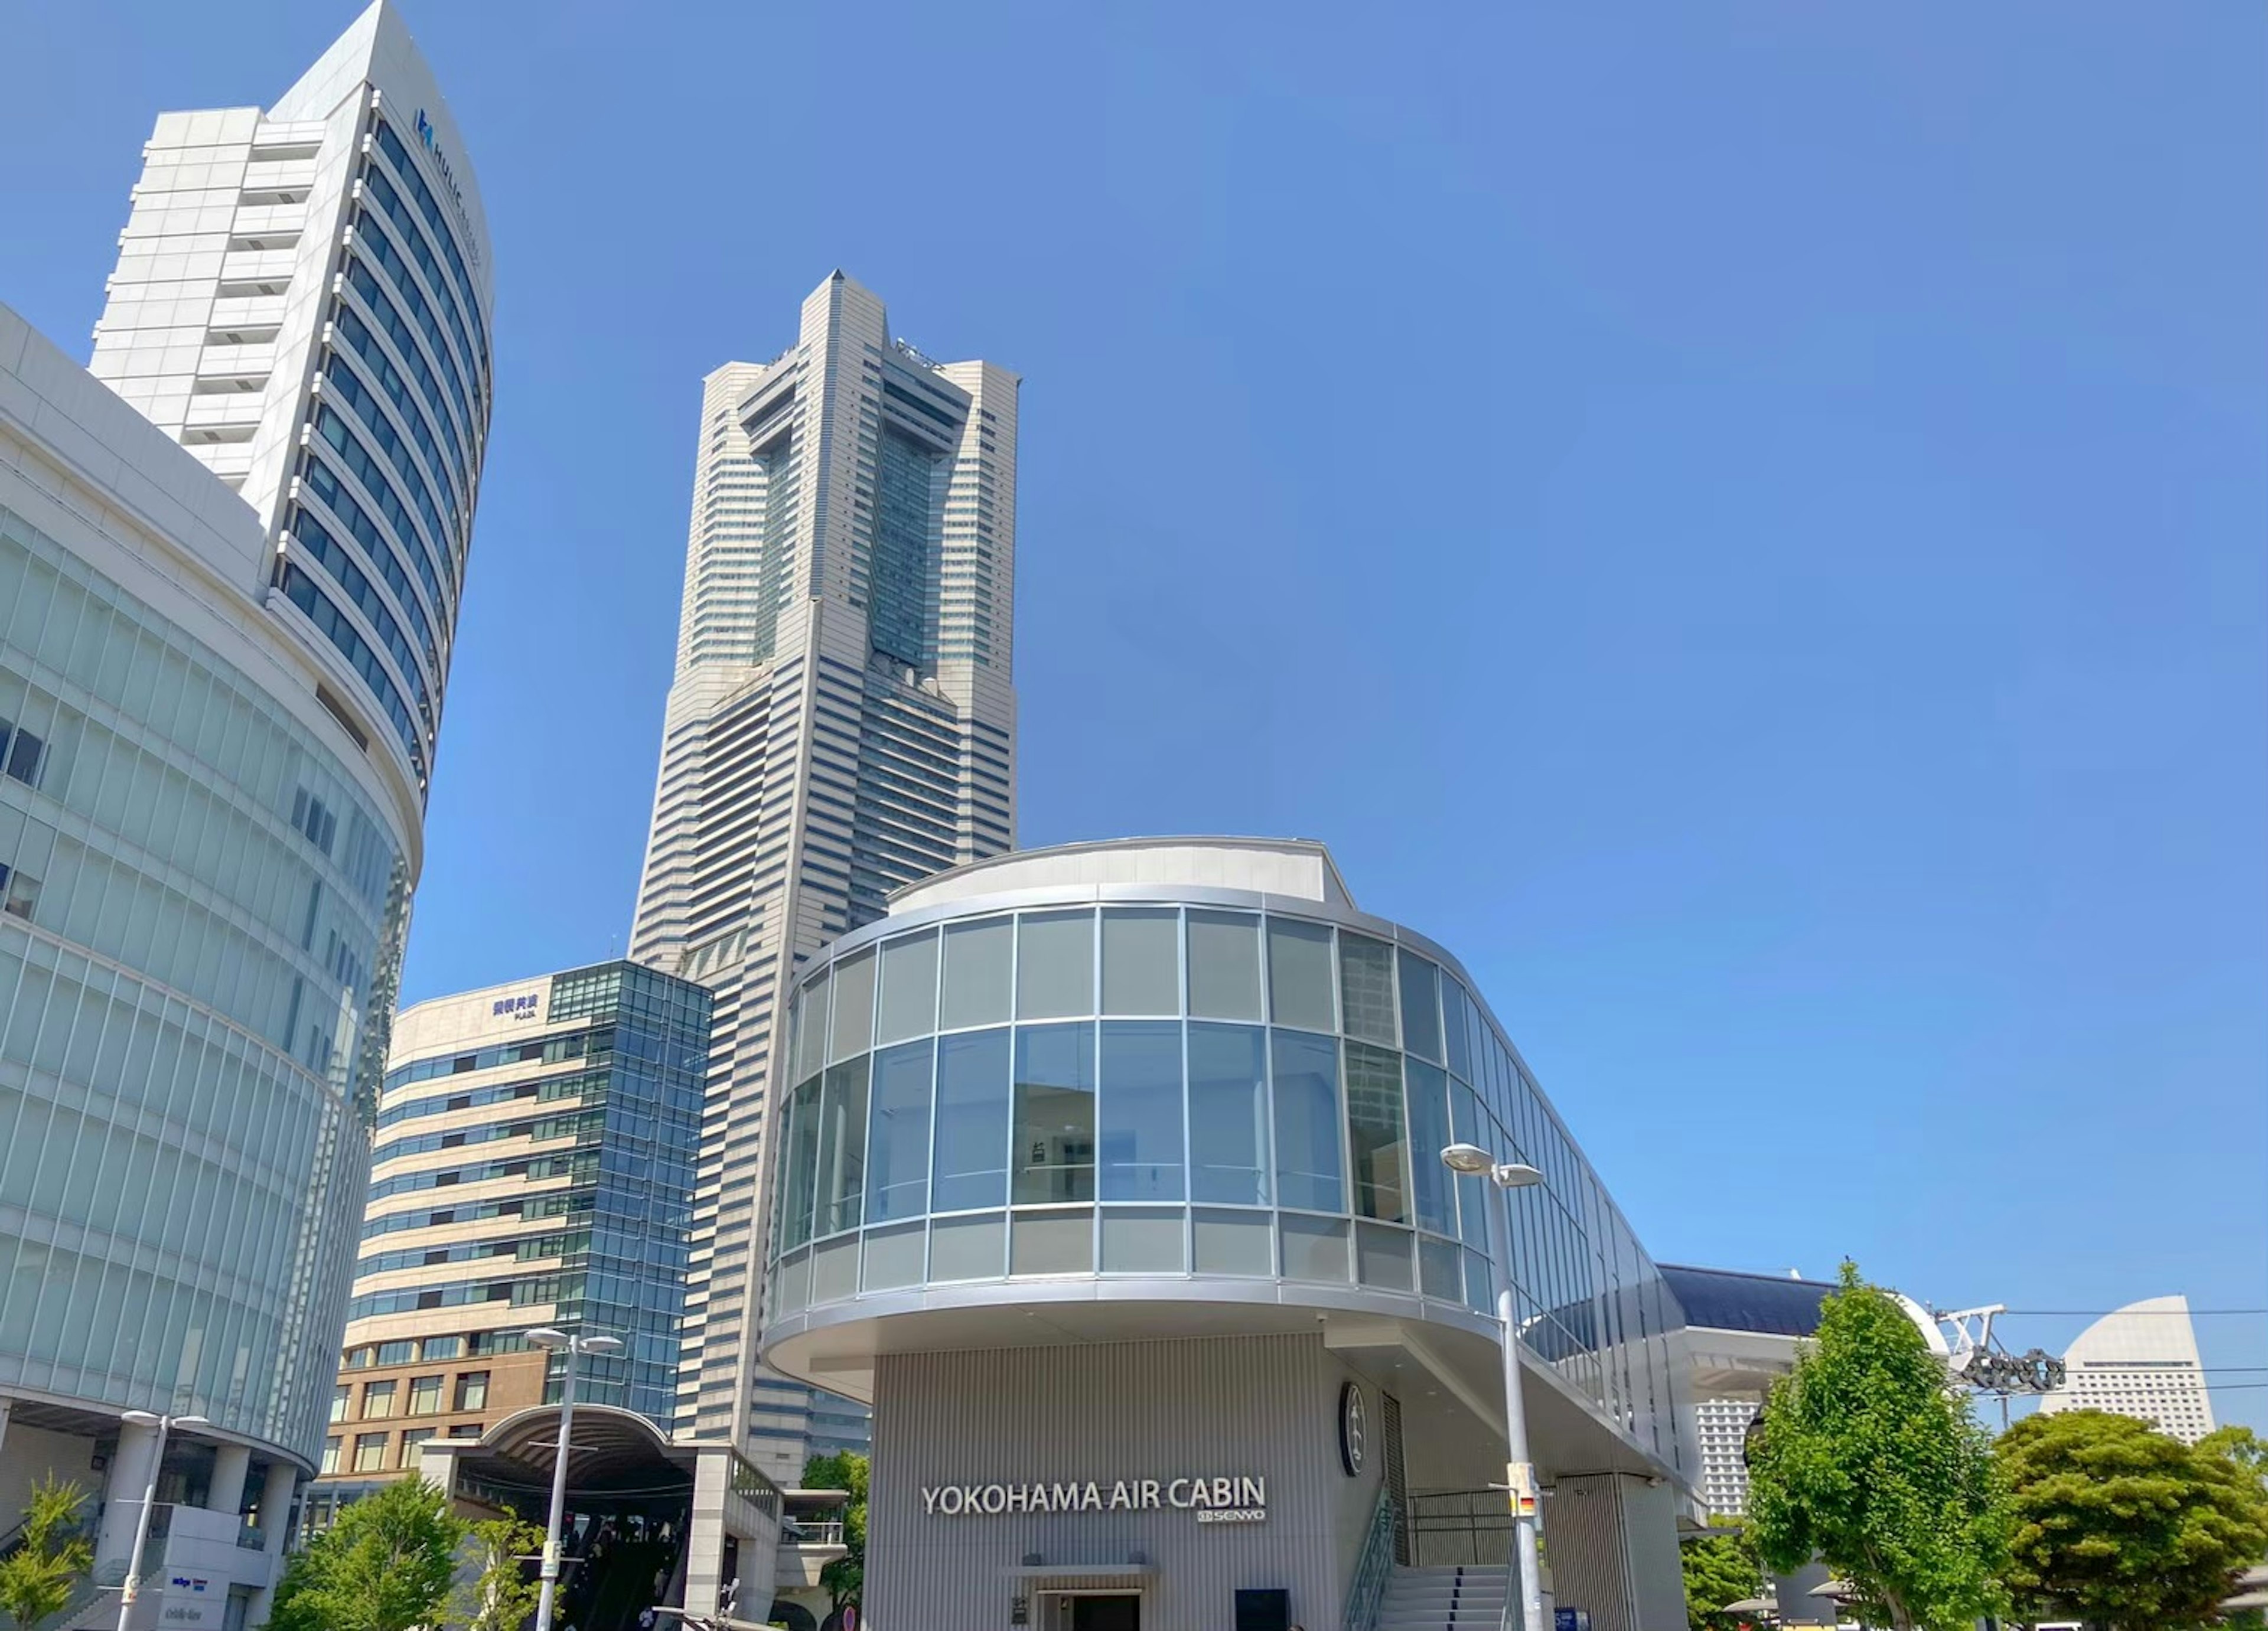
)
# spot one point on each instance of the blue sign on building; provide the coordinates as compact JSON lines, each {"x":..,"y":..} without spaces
{"x":518,"y":1007}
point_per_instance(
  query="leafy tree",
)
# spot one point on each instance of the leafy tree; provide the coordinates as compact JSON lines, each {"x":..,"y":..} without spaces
{"x":1720,"y":1568}
{"x":36,"y":1579}
{"x":386,"y":1565}
{"x":1868,"y":1460}
{"x":2121,"y":1525}
{"x":845,"y":1577}
{"x":501,"y":1597}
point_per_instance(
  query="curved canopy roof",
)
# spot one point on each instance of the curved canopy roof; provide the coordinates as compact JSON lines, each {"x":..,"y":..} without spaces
{"x":1718,"y":1300}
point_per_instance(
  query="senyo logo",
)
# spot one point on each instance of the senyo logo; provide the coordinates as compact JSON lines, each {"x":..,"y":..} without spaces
{"x":427,"y":140}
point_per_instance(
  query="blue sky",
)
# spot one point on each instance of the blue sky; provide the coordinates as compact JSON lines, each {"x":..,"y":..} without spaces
{"x":1745,"y":521}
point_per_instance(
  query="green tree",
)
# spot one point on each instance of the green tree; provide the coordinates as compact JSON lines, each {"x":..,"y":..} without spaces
{"x":2121,"y":1525}
{"x":844,"y":1579}
{"x":500,"y":1596}
{"x":385,"y":1565}
{"x":1720,"y":1568}
{"x":1868,"y":1460}
{"x":36,"y":1579}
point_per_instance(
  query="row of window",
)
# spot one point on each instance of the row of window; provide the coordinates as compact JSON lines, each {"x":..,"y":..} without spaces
{"x":399,"y":156}
{"x":414,"y":410}
{"x":348,"y":575}
{"x":343,"y":382}
{"x":370,"y":237}
{"x":468,"y":1390}
{"x":371,"y":1452}
{"x":303,"y":592}
{"x":550,"y":1050}
{"x":388,"y":200}
{"x":363,"y":465}
{"x":396,"y":327}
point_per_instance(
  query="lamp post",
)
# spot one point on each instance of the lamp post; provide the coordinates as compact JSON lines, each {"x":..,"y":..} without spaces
{"x":544,"y":1337}
{"x":1520,"y":1472}
{"x":165,"y":1424}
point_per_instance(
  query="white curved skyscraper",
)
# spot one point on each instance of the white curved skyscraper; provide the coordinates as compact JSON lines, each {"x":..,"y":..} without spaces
{"x":2141,"y":1361}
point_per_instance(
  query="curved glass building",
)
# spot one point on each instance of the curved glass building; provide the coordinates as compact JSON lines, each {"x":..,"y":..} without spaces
{"x":1118,"y":1165}
{"x":228,"y":590}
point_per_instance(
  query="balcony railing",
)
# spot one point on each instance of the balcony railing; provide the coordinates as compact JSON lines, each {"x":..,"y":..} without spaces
{"x":798,"y":1532}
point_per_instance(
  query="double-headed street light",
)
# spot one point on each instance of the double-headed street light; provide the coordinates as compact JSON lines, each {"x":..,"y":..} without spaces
{"x":165,"y":1424}
{"x":544,"y":1337}
{"x":1519,"y":1473}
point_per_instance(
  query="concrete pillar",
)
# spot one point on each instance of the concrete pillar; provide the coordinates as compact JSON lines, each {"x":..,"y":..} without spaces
{"x":275,"y":1525}
{"x":230,"y":1465}
{"x":122,"y":1493}
{"x":704,"y":1538}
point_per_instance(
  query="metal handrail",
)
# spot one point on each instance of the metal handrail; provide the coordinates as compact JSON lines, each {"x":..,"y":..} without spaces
{"x":1472,"y":1527}
{"x":1374,"y":1568}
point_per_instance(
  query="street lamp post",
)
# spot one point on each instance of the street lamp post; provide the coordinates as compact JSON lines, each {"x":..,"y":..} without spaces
{"x":1519,"y":1472}
{"x":165,"y":1424}
{"x":544,"y":1337}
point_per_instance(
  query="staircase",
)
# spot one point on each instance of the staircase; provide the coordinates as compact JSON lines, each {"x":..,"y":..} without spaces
{"x":1460,"y":1597}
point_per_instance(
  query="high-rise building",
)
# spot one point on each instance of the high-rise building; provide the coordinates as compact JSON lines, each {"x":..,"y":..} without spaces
{"x":533,"y":1167}
{"x":2141,"y":1361}
{"x":302,"y":299}
{"x":842,"y":722}
{"x":221,"y":668}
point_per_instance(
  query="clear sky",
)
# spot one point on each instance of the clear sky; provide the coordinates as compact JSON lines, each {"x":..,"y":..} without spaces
{"x":1745,"y":521}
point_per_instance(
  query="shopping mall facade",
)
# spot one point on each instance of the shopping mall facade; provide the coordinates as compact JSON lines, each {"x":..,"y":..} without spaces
{"x":1109,"y":1175}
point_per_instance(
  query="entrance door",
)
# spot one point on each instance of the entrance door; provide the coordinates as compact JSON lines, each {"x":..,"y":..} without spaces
{"x":1106,"y":1613}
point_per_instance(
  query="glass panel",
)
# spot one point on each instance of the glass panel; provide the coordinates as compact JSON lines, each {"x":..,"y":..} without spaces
{"x":1373,"y":1087}
{"x":799,"y":1164}
{"x":1052,"y":1243}
{"x":1138,"y":1240}
{"x":1228,"y":1114}
{"x":1367,"y":989}
{"x":842,"y":1142}
{"x":1141,"y":1110}
{"x":854,"y":1006}
{"x":1441,"y":1268}
{"x":834,"y":1271}
{"x":1054,"y":966}
{"x":811,"y":1029}
{"x":1309,"y":1173}
{"x":1382,"y":1257}
{"x":1141,"y":961}
{"x":1299,"y":975}
{"x":792,"y":1282}
{"x":968,"y":1248}
{"x":1421,"y":1012}
{"x":1224,"y":966}
{"x":972,"y":1119}
{"x":976,"y":959}
{"x":1480,"y":1292}
{"x":1235,"y":1243}
{"x":1054,"y":1145}
{"x":1315,"y":1248}
{"x":1433,"y":1185}
{"x":909,"y":988}
{"x":895,"y":1256}
{"x":897,"y":1154}
{"x":1454,"y":1023}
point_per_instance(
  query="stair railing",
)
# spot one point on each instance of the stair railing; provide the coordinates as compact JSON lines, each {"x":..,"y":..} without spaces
{"x":1373,"y":1567}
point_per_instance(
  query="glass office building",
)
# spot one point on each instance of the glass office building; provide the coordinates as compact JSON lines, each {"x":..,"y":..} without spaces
{"x":1122,"y":1120}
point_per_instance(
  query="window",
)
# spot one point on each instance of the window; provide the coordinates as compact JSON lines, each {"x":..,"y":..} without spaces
{"x":1421,"y":1014}
{"x":854,"y":1006}
{"x":442,"y":1348}
{"x":1299,"y":975}
{"x":976,"y":958}
{"x":1228,"y":1110}
{"x":1430,"y":1182}
{"x":1305,"y":1078}
{"x":19,"y":892}
{"x":396,"y":1353}
{"x":909,"y":1004}
{"x":972,"y":1116}
{"x":360,"y":1358}
{"x":843,"y":1137}
{"x":339,"y":1405}
{"x":897,"y":1154}
{"x":1140,"y":1138}
{"x":1224,"y":966}
{"x":465,"y":1429}
{"x":473,"y":1391}
{"x":1367,"y":989}
{"x":798,"y":1164}
{"x":377,"y":1401}
{"x":424,"y":1395}
{"x":369,"y":1452}
{"x":1054,"y":966}
{"x":331,"y":1455}
{"x":413,"y":1447}
{"x":21,"y":755}
{"x":1054,"y":1139}
{"x":1141,"y":961}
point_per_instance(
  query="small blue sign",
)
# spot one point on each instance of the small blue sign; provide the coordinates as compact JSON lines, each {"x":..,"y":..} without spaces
{"x":1570,"y":1619}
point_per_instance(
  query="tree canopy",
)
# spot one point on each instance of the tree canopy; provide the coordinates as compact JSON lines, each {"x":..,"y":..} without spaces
{"x":36,"y":1579}
{"x":844,"y":1579}
{"x":1869,"y":1460}
{"x":1721,"y":1568}
{"x":385,"y":1565}
{"x":2121,"y":1525}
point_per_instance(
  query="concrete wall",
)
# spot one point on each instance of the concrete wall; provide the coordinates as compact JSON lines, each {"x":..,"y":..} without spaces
{"x":1259,"y":1407}
{"x":31,"y":1454}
